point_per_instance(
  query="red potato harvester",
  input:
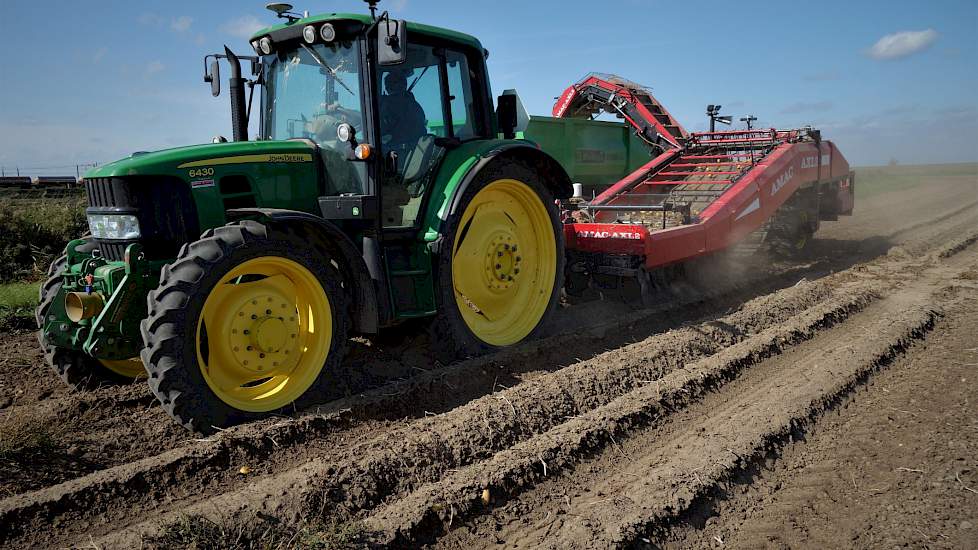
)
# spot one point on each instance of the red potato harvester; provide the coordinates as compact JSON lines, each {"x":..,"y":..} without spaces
{"x":704,"y":192}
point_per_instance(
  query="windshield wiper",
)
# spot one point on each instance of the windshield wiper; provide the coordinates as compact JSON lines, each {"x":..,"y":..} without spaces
{"x":324,"y":65}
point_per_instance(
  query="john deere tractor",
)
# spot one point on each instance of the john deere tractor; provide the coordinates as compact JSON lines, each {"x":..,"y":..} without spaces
{"x":383,"y":188}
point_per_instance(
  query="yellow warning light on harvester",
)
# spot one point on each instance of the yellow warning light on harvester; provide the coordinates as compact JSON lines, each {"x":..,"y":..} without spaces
{"x":362,"y":151}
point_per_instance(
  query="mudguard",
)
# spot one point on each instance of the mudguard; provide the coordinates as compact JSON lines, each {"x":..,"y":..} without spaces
{"x":553,"y":174}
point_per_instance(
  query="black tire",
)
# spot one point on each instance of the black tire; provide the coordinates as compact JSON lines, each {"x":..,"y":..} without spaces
{"x":170,"y":335}
{"x":790,"y":232}
{"x":450,"y":335}
{"x":75,"y":368}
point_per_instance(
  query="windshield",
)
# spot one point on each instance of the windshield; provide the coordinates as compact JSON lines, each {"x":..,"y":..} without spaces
{"x":311,"y":90}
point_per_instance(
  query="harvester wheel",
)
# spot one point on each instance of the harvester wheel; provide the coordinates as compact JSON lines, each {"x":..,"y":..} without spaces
{"x":75,"y":368}
{"x":790,"y":233}
{"x":500,"y":271}
{"x":246,"y":321}
{"x":792,"y":227}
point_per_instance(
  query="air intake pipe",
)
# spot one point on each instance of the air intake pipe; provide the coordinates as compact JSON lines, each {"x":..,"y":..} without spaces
{"x":236,"y":84}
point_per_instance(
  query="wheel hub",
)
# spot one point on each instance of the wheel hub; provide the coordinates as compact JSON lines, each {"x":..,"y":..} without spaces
{"x":503,"y":261}
{"x":264,"y":333}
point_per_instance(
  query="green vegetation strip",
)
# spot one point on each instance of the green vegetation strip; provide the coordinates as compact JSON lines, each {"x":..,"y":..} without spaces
{"x":17,"y":303}
{"x":35,"y":231}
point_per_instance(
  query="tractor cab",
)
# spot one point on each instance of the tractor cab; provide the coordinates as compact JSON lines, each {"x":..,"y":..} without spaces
{"x":383,"y":100}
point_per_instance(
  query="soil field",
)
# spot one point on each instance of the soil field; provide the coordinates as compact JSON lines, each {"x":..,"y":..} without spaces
{"x":830,"y":401}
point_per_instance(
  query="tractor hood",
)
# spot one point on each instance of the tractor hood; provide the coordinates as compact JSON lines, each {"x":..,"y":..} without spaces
{"x":178,"y":160}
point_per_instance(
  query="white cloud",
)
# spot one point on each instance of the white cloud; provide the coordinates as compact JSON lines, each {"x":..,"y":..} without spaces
{"x":154,"y":67}
{"x":902,"y":44}
{"x":243,"y":27}
{"x":181,"y":24}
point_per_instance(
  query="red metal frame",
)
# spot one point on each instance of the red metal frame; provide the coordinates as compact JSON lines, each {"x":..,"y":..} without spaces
{"x":634,"y":102}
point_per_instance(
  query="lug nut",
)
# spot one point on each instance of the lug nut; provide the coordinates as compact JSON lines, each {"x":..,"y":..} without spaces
{"x":519,"y":259}
{"x":499,"y":266}
{"x":516,"y":271}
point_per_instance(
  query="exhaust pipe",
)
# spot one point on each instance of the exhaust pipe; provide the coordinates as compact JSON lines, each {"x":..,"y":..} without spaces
{"x":239,"y":115}
{"x":83,"y":305}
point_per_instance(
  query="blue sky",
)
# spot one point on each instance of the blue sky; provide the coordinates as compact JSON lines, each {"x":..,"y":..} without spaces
{"x":94,"y":81}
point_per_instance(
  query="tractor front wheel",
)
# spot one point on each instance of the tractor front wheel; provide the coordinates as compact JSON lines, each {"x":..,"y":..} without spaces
{"x":246,"y":321}
{"x":501,"y":267}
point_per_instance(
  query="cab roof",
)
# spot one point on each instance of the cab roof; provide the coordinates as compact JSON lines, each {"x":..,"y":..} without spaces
{"x":438,"y":32}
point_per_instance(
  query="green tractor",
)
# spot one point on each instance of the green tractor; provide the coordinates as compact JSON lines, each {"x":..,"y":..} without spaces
{"x":383,"y":187}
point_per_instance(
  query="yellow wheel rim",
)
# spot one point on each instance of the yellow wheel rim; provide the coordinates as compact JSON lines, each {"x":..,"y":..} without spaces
{"x":504,"y":262}
{"x":130,"y":368}
{"x":264,"y":334}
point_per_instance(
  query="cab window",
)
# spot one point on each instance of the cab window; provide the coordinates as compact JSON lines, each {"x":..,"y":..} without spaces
{"x":415,"y":111}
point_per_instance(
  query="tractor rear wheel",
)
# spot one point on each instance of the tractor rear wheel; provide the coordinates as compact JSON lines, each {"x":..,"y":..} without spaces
{"x":501,"y":267}
{"x":74,"y":367}
{"x":246,"y":321}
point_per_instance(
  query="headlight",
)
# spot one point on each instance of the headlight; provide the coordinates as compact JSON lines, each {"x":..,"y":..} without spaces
{"x":266,"y":45}
{"x":256,"y":47}
{"x":344,"y":132}
{"x":113,"y":226}
{"x":309,"y":34}
{"x":327,"y":32}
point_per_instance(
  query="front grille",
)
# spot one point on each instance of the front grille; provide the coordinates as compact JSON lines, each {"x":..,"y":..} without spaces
{"x":166,"y":212}
{"x":113,"y":250}
{"x":101,"y":192}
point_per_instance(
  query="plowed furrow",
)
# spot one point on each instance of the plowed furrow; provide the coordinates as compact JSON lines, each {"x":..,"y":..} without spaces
{"x":181,"y":474}
{"x":641,"y":482}
{"x":359,"y":477}
{"x":460,"y":494}
{"x":735,"y":435}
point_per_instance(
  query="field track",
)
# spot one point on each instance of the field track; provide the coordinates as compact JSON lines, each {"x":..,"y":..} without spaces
{"x":746,"y":412}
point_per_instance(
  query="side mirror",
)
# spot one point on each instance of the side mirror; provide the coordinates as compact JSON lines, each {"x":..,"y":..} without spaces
{"x":391,"y":42}
{"x":506,"y":115}
{"x":214,"y":77}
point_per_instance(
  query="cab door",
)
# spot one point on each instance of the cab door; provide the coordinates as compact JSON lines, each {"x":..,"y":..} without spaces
{"x":426,"y":107}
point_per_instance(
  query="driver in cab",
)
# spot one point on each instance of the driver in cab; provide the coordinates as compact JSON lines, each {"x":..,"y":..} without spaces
{"x":402,"y":120}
